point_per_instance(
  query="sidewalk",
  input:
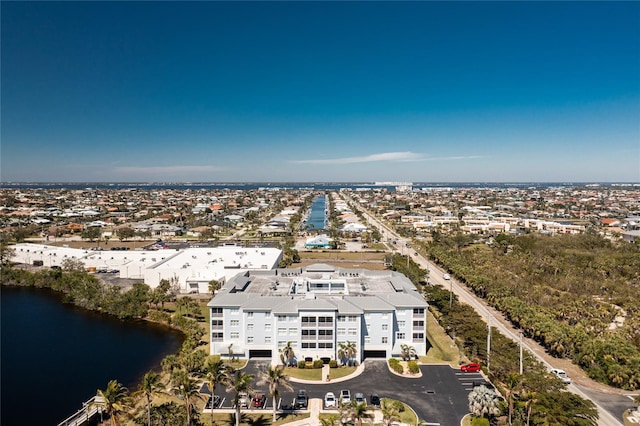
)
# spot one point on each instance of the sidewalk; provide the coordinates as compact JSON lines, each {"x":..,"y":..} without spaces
{"x":326,"y":371}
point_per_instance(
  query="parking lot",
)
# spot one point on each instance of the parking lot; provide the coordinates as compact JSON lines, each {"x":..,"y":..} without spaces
{"x":438,"y":397}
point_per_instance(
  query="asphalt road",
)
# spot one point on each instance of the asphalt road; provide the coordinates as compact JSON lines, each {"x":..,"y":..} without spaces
{"x":608,"y":405}
{"x":439,"y":397}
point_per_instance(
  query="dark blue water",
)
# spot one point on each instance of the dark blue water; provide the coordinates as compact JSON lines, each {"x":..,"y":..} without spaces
{"x":56,"y":356}
{"x":317,"y":215}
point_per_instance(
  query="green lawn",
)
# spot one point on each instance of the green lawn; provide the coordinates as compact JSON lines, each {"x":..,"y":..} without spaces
{"x":336,"y":373}
{"x":442,"y":348}
{"x":407,"y":416}
{"x":304,"y":373}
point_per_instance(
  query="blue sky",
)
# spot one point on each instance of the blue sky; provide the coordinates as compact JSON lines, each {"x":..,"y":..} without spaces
{"x":303,"y":91}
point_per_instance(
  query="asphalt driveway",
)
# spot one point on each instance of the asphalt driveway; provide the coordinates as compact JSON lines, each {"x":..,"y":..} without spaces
{"x":439,"y":397}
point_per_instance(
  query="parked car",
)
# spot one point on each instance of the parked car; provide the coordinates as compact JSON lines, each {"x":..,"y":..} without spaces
{"x":561,"y":375}
{"x":345,"y":396}
{"x":243,"y":400}
{"x":446,"y":277}
{"x":359,"y":398}
{"x":472,"y":367}
{"x":258,"y":400}
{"x":329,"y":400}
{"x":374,"y":400}
{"x":302,"y":399}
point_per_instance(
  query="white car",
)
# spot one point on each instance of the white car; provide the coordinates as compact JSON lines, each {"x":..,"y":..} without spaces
{"x":561,"y":375}
{"x":446,"y":277}
{"x":330,"y":400}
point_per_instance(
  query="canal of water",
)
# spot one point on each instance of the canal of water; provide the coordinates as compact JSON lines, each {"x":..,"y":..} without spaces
{"x":316,"y":219}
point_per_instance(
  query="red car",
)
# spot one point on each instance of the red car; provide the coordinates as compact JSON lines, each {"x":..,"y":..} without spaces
{"x":472,"y":367}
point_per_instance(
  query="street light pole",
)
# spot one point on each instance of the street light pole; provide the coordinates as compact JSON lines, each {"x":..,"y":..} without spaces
{"x":521,"y":352}
{"x":488,"y":343}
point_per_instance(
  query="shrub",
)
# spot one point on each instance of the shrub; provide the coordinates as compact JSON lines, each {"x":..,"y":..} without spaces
{"x":301,"y":364}
{"x":398,"y":405}
{"x":395,"y":366}
{"x":414,"y":368}
{"x":333,"y":364}
{"x":318,"y":363}
{"x":479,"y":421}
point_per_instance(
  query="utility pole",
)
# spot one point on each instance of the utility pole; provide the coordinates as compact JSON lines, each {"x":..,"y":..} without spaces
{"x":521,"y":352}
{"x":488,"y":343}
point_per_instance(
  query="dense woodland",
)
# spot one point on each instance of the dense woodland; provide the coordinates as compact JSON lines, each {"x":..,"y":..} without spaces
{"x":578,"y":295}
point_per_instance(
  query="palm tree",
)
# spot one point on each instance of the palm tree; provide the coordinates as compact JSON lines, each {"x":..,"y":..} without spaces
{"x":407,"y":352}
{"x":239,"y":383}
{"x":347,"y":351}
{"x":390,"y":413}
{"x":483,"y":402}
{"x":330,"y":420}
{"x":230,"y":351}
{"x":287,"y":355}
{"x":359,"y":412}
{"x":216,"y":371}
{"x":276,"y":379}
{"x":150,"y":385}
{"x":187,"y":389}
{"x":115,"y":400}
{"x":512,"y":386}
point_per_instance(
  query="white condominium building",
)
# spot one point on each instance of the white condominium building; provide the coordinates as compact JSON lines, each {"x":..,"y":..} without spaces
{"x":314,"y":310}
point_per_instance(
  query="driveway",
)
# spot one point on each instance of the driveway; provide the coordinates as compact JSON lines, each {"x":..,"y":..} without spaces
{"x":438,"y":397}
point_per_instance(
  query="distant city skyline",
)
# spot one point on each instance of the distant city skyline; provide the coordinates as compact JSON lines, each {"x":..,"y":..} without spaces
{"x":320,"y":91}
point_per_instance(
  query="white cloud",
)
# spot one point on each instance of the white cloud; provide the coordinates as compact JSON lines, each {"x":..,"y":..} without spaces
{"x":385,"y":156}
{"x":404,"y":156}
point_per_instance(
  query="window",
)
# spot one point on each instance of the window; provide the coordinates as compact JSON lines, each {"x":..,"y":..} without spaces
{"x":401,"y":323}
{"x":353,"y":318}
{"x":367,"y":316}
{"x":367,"y":339}
{"x":249,"y":339}
{"x":385,"y":315}
{"x":249,"y":314}
{"x":267,"y":339}
{"x":418,"y":324}
{"x":217,"y":337}
{"x":400,"y":336}
{"x":385,"y":340}
{"x":282,"y":317}
{"x":216,"y":312}
{"x":418,"y":311}
{"x":267,"y":314}
{"x":282,"y":331}
{"x":234,"y":323}
{"x":282,"y":343}
{"x":308,"y":345}
{"x":293,"y":332}
{"x":308,"y":321}
{"x":325,"y":321}
{"x":353,"y":332}
{"x":309,"y":332}
{"x":217,"y":324}
{"x":234,"y":335}
{"x":342,"y":331}
{"x":342,"y":318}
{"x":234,"y":311}
{"x":385,"y":327}
{"x":418,"y":337}
{"x":267,"y":327}
{"x":249,"y":327}
{"x":326,"y":345}
{"x":368,"y":325}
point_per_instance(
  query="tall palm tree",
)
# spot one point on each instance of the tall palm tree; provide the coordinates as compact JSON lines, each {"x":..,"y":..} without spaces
{"x":187,"y":389}
{"x":407,"y":352}
{"x":216,"y":371}
{"x":239,"y":383}
{"x":276,"y":379}
{"x":330,"y":420}
{"x":390,"y":413}
{"x":150,"y":386}
{"x":287,"y":354}
{"x":116,"y":400}
{"x":512,"y":386}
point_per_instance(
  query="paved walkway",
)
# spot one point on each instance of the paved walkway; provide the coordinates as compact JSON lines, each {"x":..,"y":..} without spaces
{"x":326,"y":371}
